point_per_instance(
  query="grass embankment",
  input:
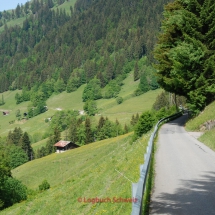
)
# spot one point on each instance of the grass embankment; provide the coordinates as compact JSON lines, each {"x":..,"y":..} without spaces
{"x":194,"y":125}
{"x":87,"y":172}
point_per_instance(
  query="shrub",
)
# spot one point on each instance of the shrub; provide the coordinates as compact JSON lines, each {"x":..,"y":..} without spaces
{"x":90,"y":107}
{"x":144,"y":124}
{"x":44,"y":186}
{"x":13,"y":191}
{"x":138,"y":92}
{"x":17,"y":156}
{"x":119,"y":100}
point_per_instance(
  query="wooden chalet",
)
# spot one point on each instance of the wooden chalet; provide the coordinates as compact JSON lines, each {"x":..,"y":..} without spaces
{"x":63,"y":146}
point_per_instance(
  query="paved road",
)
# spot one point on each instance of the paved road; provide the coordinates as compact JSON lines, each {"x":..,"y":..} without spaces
{"x":185,"y":173}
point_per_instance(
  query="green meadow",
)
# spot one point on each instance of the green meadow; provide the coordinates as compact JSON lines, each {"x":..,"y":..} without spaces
{"x":66,"y":5}
{"x":102,"y":169}
{"x":73,"y":101}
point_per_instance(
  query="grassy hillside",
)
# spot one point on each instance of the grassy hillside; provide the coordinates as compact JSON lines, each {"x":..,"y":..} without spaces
{"x":90,"y":171}
{"x":205,"y":115}
{"x":19,"y":21}
{"x":70,"y":101}
{"x":194,"y":125}
{"x":66,"y":5}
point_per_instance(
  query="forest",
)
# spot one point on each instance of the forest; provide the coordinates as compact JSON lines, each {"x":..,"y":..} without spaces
{"x":97,"y":40}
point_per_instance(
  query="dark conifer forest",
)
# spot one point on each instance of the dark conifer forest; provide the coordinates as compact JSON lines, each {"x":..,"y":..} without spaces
{"x":54,"y":51}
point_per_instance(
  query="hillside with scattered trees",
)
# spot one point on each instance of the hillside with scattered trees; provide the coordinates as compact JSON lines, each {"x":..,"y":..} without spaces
{"x":53,"y":51}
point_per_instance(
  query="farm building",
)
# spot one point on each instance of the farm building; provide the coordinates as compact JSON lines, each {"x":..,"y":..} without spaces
{"x":63,"y":146}
{"x":5,"y":113}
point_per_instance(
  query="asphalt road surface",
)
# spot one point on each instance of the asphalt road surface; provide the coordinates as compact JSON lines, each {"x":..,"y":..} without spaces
{"x":184,"y":173}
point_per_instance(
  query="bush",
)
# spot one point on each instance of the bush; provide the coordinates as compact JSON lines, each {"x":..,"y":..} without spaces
{"x":162,"y":101}
{"x":138,"y":92}
{"x":90,"y":107}
{"x":119,"y":100}
{"x":44,"y":186}
{"x":92,"y":91}
{"x":17,"y":156}
{"x":144,"y":124}
{"x":13,"y":191}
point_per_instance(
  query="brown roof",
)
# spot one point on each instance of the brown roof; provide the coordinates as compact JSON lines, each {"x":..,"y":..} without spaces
{"x":62,"y":143}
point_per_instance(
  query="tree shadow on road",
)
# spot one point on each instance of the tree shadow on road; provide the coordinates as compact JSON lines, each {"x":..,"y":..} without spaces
{"x":179,"y":121}
{"x":195,"y":197}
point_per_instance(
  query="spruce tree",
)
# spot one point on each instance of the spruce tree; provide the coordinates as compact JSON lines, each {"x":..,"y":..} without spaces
{"x":81,"y":135}
{"x":49,"y":149}
{"x":136,"y":71}
{"x":73,"y":131}
{"x":144,"y":85}
{"x":15,"y":136}
{"x":137,"y":118}
{"x":56,"y":136}
{"x":88,"y":131}
{"x":126,"y":129}
{"x":26,"y":146}
{"x":185,"y":51}
{"x":132,"y":122}
{"x":101,"y":122}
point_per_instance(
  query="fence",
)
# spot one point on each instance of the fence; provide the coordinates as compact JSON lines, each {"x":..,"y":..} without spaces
{"x":138,"y":188}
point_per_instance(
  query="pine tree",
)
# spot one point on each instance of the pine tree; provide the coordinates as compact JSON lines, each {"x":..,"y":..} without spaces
{"x":88,"y":131}
{"x":51,"y":141}
{"x":144,"y":85}
{"x":137,"y":118}
{"x":101,"y":122}
{"x":136,"y":71}
{"x":49,"y":149}
{"x":26,"y":146}
{"x":56,"y":136}
{"x":185,"y":51}
{"x":132,"y":122}
{"x":15,"y":136}
{"x":126,"y":129}
{"x":81,"y":135}
{"x":2,"y":100}
{"x":73,"y":131}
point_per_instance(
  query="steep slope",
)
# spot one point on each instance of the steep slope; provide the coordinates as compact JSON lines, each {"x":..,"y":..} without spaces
{"x":102,"y":169}
{"x":69,"y":101}
{"x":195,"y":124}
{"x":91,"y":43}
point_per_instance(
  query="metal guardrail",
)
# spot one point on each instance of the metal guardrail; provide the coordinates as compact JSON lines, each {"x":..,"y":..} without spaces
{"x":138,"y":188}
